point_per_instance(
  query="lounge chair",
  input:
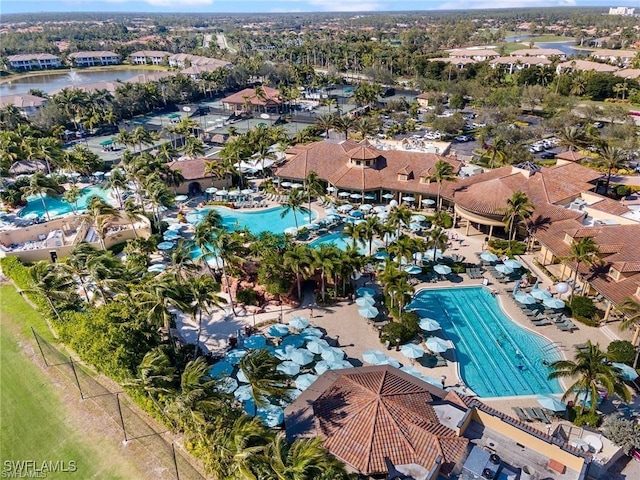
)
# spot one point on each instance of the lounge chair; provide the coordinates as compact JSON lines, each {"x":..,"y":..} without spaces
{"x":531,"y":412}
{"x":566,"y":327}
{"x":541,"y":415}
{"x":541,"y":323}
{"x":523,"y":417}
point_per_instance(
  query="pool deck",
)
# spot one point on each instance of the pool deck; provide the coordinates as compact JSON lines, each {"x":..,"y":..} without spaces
{"x":352,"y":333}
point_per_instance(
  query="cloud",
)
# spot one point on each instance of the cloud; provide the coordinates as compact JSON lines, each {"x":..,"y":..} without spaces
{"x":489,"y":4}
{"x":169,"y":3}
{"x":346,"y":5}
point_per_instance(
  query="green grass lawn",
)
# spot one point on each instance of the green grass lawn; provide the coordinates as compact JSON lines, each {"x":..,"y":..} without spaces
{"x":36,"y":424}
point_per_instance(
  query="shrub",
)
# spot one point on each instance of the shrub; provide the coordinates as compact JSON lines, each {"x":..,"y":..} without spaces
{"x":622,"y":190}
{"x":393,"y":331}
{"x":621,"y":351}
{"x":588,"y":419}
{"x":583,"y":309}
{"x":501,"y":247}
{"x":623,"y":433}
{"x":247,"y":296}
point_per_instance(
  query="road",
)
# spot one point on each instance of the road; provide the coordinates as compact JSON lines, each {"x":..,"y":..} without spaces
{"x":623,"y":180}
{"x":222,"y":42}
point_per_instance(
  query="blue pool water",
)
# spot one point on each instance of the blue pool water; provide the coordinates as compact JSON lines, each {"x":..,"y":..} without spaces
{"x":259,"y":221}
{"x":342,"y":242}
{"x":57,"y":206}
{"x":497,"y":357}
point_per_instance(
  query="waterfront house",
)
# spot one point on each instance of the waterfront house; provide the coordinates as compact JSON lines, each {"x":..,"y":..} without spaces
{"x":150,"y":57}
{"x":94,"y":58}
{"x":26,"y":104}
{"x":34,"y":61}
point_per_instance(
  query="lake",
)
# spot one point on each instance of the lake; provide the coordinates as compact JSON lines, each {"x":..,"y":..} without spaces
{"x":49,"y":82}
{"x":565,"y":47}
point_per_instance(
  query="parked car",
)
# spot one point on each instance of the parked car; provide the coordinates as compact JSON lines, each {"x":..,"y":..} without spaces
{"x":548,"y":155}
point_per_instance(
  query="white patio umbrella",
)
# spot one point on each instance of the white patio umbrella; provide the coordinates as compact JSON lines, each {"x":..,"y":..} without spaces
{"x":365,"y":207}
{"x":412,"y":351}
{"x":365,"y":301}
{"x":429,"y":325}
{"x":368,"y":312}
{"x":343,"y":194}
{"x":291,"y":231}
{"x":437,"y":345}
{"x":442,"y":269}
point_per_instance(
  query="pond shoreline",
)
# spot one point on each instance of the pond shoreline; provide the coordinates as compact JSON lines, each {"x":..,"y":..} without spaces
{"x":65,"y":71}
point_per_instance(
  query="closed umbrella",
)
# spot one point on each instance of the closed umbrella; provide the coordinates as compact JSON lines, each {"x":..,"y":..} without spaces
{"x":412,"y":351}
{"x":388,"y":196}
{"x":409,"y":198}
{"x":504,"y":269}
{"x":524,"y":298}
{"x":555,"y":303}
{"x":413,"y":269}
{"x":278,"y":330}
{"x":374,"y":357}
{"x":317,"y":346}
{"x":332,"y":354}
{"x":512,"y":264}
{"x":299,"y":323}
{"x":365,"y":301}
{"x":540,"y":294}
{"x":301,"y":356}
{"x":437,"y":345}
{"x":489,"y":257}
{"x":442,"y":269}
{"x":429,"y":325}
{"x":255,"y":341}
{"x":627,"y":372}
{"x":289,"y":368}
{"x":428,"y":201}
{"x":551,"y":403}
{"x":368,"y":312}
{"x":305,"y":380}
{"x":362,"y":291}
{"x":220,"y":369}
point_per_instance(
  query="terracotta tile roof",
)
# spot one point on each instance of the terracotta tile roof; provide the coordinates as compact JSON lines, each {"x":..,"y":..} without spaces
{"x":571,"y":156}
{"x":468,"y":52}
{"x":609,"y":205}
{"x":22,"y":100}
{"x":522,"y":60}
{"x":537,"y":52}
{"x":272,"y":97}
{"x":363,"y":152}
{"x":628,"y":73}
{"x":191,"y":169}
{"x":149,"y":77}
{"x":454,"y":60}
{"x":330,"y":160}
{"x":371,"y":413}
{"x":587,"y":66}
{"x":93,"y":54}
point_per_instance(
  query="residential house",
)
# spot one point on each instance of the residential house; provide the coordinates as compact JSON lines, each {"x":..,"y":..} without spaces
{"x":35,"y":61}
{"x":618,"y":57}
{"x":150,"y":57}
{"x":93,"y":58}
{"x":25,"y":103}
{"x":270,"y":101}
{"x":478,"y":54}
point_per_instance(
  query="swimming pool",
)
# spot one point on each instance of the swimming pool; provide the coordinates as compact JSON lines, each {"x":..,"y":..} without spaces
{"x":57,"y":206}
{"x":257,"y":221}
{"x":496,"y":356}
{"x":343,"y":242}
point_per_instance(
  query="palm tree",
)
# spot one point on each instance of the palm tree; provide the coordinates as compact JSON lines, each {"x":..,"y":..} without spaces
{"x":398,"y":216}
{"x":47,"y":282}
{"x":40,"y":185}
{"x":343,"y":124}
{"x":572,"y":137}
{"x":370,"y":228}
{"x":193,"y":147}
{"x":518,"y":209}
{"x":494,"y":154}
{"x":442,"y":172}
{"x":325,"y":123}
{"x":102,"y":216}
{"x":298,"y":260}
{"x":203,"y":293}
{"x":354,"y":232}
{"x":294,"y":204}
{"x":259,"y":367}
{"x":134,"y":212}
{"x":72,"y":195}
{"x":106,"y":272}
{"x":228,"y":248}
{"x":117,"y":181}
{"x":582,"y":251}
{"x":591,"y":371}
{"x":313,"y":186}
{"x":438,"y":240}
{"x":631,"y":309}
{"x":610,"y":158}
{"x":76,"y":265}
{"x":326,"y":259}
{"x":156,"y":375}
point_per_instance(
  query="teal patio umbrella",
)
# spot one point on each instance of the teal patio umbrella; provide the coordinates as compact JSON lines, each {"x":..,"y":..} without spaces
{"x":317,"y":346}
{"x":299,"y":323}
{"x":429,"y":325}
{"x":442,"y":269}
{"x":437,"y":345}
{"x":368,"y":312}
{"x":365,"y":301}
{"x":305,"y":380}
{"x":551,"y":403}
{"x":627,"y":372}
{"x":289,"y":368}
{"x":412,"y":351}
{"x":301,"y":356}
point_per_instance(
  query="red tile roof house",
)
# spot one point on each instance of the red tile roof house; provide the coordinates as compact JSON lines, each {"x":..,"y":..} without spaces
{"x":238,"y":101}
{"x":195,"y":179}
{"x":372,"y":418}
{"x":361,"y":168}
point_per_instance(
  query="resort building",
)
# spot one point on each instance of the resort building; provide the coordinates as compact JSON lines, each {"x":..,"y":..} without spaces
{"x":195,"y":179}
{"x":458,"y":62}
{"x":624,"y":11}
{"x":512,"y":64}
{"x":184,"y":60}
{"x":385,"y":423}
{"x":478,"y":54}
{"x":248,"y":97}
{"x":350,"y":167}
{"x":585,"y":66}
{"x":91,"y":59}
{"x":538,"y":52}
{"x":623,"y":57}
{"x":633,"y":73}
{"x":25,"y":103}
{"x":150,"y":57}
{"x":37,"y":61}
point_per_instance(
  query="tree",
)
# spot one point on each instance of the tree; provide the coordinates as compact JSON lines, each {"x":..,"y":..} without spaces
{"x":298,"y":260}
{"x":72,"y":195}
{"x":325,"y":123}
{"x":494,"y":154}
{"x":325,"y":258}
{"x":442,"y":172}
{"x":313,"y":186}
{"x":203,"y":293}
{"x":76,"y":265}
{"x":590,"y":371}
{"x":370,"y":228}
{"x":40,"y":185}
{"x":610,"y":158}
{"x":156,"y":376}
{"x":343,"y":124}
{"x":259,"y":368}
{"x":133,"y":212}
{"x":47,"y":282}
{"x":117,"y":182}
{"x":102,"y":216}
{"x":399,"y":216}
{"x":631,"y":310}
{"x":572,"y":137}
{"x":294,"y":204}
{"x":518,"y":209}
{"x":228,"y":249}
{"x":193,"y":147}
{"x":438,"y":240}
{"x":582,"y":251}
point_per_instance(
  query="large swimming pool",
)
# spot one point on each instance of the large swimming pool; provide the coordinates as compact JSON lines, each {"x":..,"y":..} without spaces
{"x":497,"y":357}
{"x":343,"y":242}
{"x":257,"y":221}
{"x":57,"y":206}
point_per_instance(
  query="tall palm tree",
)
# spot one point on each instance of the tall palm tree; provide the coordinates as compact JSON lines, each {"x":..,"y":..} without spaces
{"x":325,"y":258}
{"x":325,"y":123}
{"x":101,"y":215}
{"x":355,"y":233}
{"x":40,"y":185}
{"x":494,"y":154}
{"x":298,"y":260}
{"x":203,"y":294}
{"x":399,"y":216}
{"x":193,"y":147}
{"x":443,"y":171}
{"x":611,"y":158}
{"x":572,"y":137}
{"x":370,"y":229}
{"x":76,"y":265}
{"x":518,"y":209}
{"x":117,"y":182}
{"x":582,"y":251}
{"x":50,"y":284}
{"x":631,"y":309}
{"x":134,"y":212}
{"x":343,"y":124}
{"x":294,"y":205}
{"x":106,"y":272}
{"x":313,"y":186}
{"x":438,"y":240}
{"x":228,"y":248}
{"x":259,"y":367}
{"x":591,"y":371}
{"x":72,"y":195}
{"x":155,"y":376}
{"x":402,"y":247}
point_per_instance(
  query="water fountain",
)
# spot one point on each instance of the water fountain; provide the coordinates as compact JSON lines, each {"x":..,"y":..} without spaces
{"x":74,"y":78}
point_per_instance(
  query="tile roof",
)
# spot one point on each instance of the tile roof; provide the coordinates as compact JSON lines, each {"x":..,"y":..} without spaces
{"x":537,"y":52}
{"x":93,"y":54}
{"x":609,"y":205}
{"x":151,"y":53}
{"x":373,"y":413}
{"x":467,"y":52}
{"x":523,"y":60}
{"x":628,"y":73}
{"x":191,"y":169}
{"x":272,"y":97}
{"x":585,"y":65}
{"x":149,"y":77}
{"x":330,"y":160}
{"x":22,"y":100}
{"x":571,"y":156}
{"x":32,"y":56}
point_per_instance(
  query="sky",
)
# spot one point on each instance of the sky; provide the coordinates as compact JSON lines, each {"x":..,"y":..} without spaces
{"x":254,"y":6}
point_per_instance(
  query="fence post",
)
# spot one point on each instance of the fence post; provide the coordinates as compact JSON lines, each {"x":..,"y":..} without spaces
{"x":75,"y":375}
{"x":40,"y":347}
{"x":175,"y":463}
{"x":124,"y":430}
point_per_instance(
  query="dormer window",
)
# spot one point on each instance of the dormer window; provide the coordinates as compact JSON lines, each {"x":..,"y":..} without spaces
{"x":615,"y":274}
